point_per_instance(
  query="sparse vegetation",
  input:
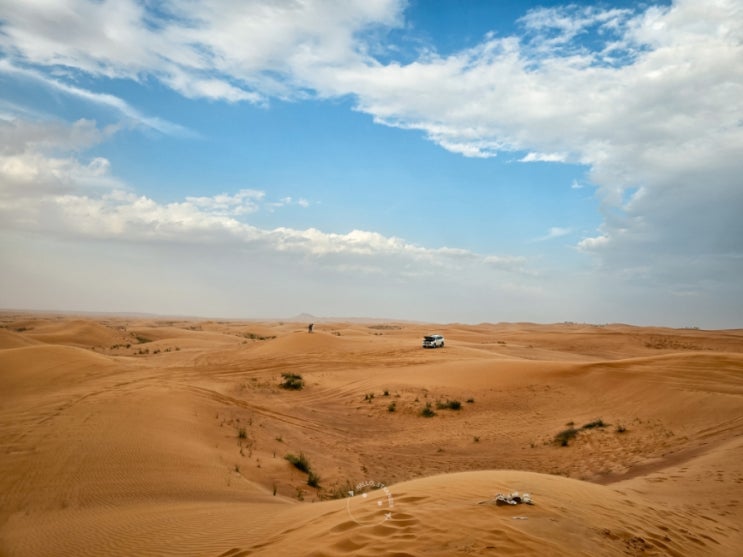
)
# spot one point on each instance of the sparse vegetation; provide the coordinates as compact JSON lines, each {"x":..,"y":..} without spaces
{"x":300,"y":462}
{"x":595,"y":423}
{"x":427,"y":411}
{"x":449,"y":405}
{"x":386,"y":393}
{"x":621,"y":428}
{"x":292,"y":382}
{"x":476,"y":438}
{"x":369,"y":397}
{"x":563,"y":438}
{"x":392,"y":406}
{"x":470,"y":400}
{"x":242,"y":434}
{"x":313,"y":480}
{"x":339,"y":491}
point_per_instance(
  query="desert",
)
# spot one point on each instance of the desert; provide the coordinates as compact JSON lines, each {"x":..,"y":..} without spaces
{"x":141,"y":435}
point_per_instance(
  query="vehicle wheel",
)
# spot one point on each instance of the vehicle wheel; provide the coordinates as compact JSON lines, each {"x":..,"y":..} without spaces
{"x":442,"y":345}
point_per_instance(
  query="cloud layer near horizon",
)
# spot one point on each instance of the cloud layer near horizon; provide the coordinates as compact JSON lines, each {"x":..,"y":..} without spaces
{"x":652,"y":107}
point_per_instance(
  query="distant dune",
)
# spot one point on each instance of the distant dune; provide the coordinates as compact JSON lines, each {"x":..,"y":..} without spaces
{"x":140,"y":435}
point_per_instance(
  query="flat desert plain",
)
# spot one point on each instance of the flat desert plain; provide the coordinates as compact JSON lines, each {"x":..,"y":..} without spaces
{"x":134,"y":436}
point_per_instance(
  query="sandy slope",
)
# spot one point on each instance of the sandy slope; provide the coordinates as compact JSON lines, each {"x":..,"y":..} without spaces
{"x":147,"y":437}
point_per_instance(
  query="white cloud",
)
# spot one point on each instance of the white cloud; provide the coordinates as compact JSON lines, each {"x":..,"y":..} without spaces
{"x":232,"y":50}
{"x":72,"y":198}
{"x":543,"y":157}
{"x":104,"y":99}
{"x":662,"y":118}
{"x":243,"y":202}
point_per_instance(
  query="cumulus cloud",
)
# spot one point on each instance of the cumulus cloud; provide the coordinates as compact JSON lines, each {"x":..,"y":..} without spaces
{"x":650,"y":104}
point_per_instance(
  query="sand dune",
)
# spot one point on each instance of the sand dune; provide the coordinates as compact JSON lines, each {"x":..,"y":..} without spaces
{"x":155,"y":437}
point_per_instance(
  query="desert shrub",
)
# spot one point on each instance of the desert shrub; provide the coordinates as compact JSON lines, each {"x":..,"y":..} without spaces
{"x":369,"y":397}
{"x":470,"y":400}
{"x":292,"y":381}
{"x":339,"y":491}
{"x":300,"y":462}
{"x":476,"y":438}
{"x":313,"y":480}
{"x":386,"y":392}
{"x":392,"y":406}
{"x":621,"y":428}
{"x":595,"y":423}
{"x":242,"y":434}
{"x":449,"y":405}
{"x":564,"y":437}
{"x":427,"y":411}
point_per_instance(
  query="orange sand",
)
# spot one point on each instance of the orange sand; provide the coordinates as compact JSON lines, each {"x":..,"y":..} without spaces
{"x":123,"y":437}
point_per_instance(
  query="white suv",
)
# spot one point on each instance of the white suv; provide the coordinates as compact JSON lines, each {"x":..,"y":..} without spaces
{"x":433,"y":341}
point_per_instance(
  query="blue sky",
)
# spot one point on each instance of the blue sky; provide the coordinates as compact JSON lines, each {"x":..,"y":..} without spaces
{"x":442,"y":161}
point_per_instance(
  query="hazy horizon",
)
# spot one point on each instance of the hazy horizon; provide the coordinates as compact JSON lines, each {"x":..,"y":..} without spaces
{"x":426,"y":161}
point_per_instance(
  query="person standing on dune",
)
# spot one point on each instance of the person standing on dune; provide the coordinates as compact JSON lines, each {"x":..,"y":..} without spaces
{"x":309,"y":328}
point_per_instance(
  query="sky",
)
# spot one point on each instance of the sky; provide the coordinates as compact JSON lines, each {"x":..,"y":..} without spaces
{"x":469,"y":161}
